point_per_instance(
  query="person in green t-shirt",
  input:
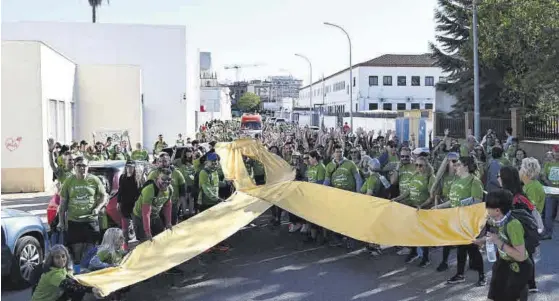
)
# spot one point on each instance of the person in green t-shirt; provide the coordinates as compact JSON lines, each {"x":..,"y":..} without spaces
{"x":529,"y":173}
{"x":402,"y":175}
{"x":56,"y":281}
{"x":118,"y":154}
{"x":159,"y":145}
{"x":466,"y":189}
{"x":154,"y":203}
{"x":139,"y":154}
{"x":62,"y":172}
{"x":180,"y":141}
{"x":315,"y":173}
{"x":177,"y":181}
{"x":208,"y":184}
{"x":82,"y":197}
{"x":512,"y":271}
{"x":186,"y":167}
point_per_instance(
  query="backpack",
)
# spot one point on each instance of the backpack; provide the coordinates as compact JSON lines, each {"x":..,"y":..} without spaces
{"x":531,"y":235}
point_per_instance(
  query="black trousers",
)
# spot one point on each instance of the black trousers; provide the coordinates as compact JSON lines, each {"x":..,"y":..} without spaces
{"x":475,"y":256}
{"x":510,"y":280}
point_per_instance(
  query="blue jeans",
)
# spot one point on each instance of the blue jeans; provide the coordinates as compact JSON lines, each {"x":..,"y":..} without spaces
{"x":550,"y":213}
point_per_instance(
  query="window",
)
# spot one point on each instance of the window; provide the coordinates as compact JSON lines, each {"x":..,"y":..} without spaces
{"x":387,"y":80}
{"x":387,"y":106}
{"x":442,"y":79}
{"x":373,"y":81}
{"x":53,"y":119}
{"x":401,"y":107}
{"x":373,"y":106}
{"x":415,"y":80}
{"x":428,"y":106}
{"x":429,"y":81}
{"x":401,"y":80}
{"x":356,"y":107}
{"x":61,"y":131}
{"x":354,"y":81}
{"x":415,"y":106}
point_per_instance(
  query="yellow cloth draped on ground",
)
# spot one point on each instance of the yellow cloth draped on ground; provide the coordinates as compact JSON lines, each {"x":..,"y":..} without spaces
{"x":359,"y":216}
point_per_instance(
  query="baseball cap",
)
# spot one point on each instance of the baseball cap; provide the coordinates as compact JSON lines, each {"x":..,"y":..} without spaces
{"x":212,"y":157}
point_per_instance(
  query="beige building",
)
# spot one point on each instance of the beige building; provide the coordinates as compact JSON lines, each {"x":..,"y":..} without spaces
{"x":46,"y":95}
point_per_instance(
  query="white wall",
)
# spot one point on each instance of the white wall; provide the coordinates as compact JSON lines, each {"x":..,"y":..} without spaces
{"x":159,"y":50}
{"x":34,"y":74}
{"x":192,"y":103}
{"x":109,"y":98}
{"x":210,"y":98}
{"x":372,"y":124}
{"x":330,"y":122}
{"x":22,"y":110}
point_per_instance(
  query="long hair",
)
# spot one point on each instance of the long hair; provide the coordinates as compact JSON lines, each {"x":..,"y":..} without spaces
{"x":110,"y":241}
{"x":56,"y":250}
{"x":510,"y":180}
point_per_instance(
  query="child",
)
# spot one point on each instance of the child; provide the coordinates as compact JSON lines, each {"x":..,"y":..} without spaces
{"x":56,"y":281}
{"x":109,"y":254}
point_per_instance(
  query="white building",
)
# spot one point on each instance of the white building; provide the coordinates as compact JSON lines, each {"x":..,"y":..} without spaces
{"x":215,"y":102}
{"x":170,"y":93}
{"x":390,"y":82}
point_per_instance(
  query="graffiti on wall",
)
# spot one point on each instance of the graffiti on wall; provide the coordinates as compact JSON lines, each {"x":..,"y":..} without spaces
{"x":12,"y":143}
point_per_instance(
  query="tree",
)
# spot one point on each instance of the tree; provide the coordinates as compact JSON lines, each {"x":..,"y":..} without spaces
{"x":94,"y":4}
{"x":248,"y":101}
{"x":518,"y":51}
{"x":455,"y":57}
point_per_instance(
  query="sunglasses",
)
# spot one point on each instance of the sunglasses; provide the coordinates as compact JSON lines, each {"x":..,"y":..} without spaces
{"x":419,"y":165}
{"x":403,"y":157}
{"x":454,"y":161}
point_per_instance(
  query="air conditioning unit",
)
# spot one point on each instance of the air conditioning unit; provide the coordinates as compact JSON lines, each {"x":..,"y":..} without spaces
{"x":409,"y":99}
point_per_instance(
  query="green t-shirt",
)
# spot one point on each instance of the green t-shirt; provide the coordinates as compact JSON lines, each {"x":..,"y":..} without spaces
{"x":147,"y":196}
{"x":535,"y":193}
{"x":82,"y":196}
{"x":62,"y":174}
{"x":447,"y":183}
{"x":405,"y":173}
{"x":120,"y":156}
{"x":342,"y":176}
{"x":419,"y":188}
{"x":209,"y":187}
{"x":464,"y":188}
{"x":316,"y":173}
{"x":110,"y":257}
{"x":48,"y":288}
{"x":257,"y":168}
{"x":93,"y":157}
{"x":139,"y":155}
{"x":513,"y":235}
{"x":177,"y":180}
{"x":551,"y":171}
{"x":179,"y":142}
{"x":511,"y":152}
{"x":464,"y":151}
{"x":371,"y":184}
{"x":187,"y":170}
{"x":159,"y":146}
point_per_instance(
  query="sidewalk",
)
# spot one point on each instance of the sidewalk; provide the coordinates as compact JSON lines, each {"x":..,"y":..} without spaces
{"x":21,"y":196}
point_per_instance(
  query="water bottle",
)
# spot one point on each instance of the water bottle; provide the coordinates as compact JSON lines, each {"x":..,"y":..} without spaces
{"x":490,"y":250}
{"x":384,"y":182}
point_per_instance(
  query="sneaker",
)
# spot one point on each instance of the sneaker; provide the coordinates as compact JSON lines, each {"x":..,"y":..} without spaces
{"x":481,"y":280}
{"x":412,"y":257}
{"x":456,"y":279}
{"x":424,"y":263}
{"x":305,"y":228}
{"x":294,"y":227}
{"x":404,"y":251}
{"x":533,"y":290}
{"x":442,"y":267}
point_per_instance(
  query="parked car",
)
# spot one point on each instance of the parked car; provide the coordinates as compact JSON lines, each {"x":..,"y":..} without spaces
{"x":109,"y":172}
{"x":24,"y":244}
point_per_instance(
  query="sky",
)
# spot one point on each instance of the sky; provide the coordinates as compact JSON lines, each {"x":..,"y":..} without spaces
{"x":264,"y":32}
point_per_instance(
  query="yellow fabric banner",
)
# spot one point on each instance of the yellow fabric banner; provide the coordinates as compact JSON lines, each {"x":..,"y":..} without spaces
{"x":361,"y":217}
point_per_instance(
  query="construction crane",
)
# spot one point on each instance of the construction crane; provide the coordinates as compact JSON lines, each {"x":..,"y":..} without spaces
{"x":239,"y":67}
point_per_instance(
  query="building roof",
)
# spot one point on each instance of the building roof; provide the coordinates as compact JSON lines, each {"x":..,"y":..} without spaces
{"x":390,"y":60}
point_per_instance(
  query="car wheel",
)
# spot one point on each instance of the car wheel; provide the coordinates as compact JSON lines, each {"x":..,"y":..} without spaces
{"x":28,"y":255}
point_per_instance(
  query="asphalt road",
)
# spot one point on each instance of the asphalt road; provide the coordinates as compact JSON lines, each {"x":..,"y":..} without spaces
{"x":268,"y":263}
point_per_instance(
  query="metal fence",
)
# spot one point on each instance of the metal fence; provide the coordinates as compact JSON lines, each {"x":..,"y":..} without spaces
{"x":498,"y":125}
{"x":456,"y":126}
{"x":541,"y":128}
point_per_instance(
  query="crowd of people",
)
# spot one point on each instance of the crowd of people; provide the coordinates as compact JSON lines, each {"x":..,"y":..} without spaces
{"x":443,"y":174}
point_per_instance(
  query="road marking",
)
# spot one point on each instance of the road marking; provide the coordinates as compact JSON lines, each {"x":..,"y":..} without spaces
{"x":16,"y":206}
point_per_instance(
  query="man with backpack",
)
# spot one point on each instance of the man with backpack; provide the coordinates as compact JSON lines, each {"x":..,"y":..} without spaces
{"x":178,"y":184}
{"x":513,"y":269}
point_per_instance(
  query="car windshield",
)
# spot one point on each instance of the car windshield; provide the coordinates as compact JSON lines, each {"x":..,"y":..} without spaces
{"x":252,"y":125}
{"x":105,"y":175}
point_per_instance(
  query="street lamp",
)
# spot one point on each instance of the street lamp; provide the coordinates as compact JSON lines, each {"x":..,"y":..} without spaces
{"x":476,"y":75}
{"x":310,"y":79}
{"x":350,"y":75}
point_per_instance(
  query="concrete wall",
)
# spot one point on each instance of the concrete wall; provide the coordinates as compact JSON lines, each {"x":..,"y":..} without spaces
{"x":109,"y":99}
{"x":160,"y":51}
{"x":37,"y":91}
{"x":372,"y":124}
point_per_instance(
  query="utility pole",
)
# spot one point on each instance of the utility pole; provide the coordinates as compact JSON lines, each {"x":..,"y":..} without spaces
{"x":477,"y":125}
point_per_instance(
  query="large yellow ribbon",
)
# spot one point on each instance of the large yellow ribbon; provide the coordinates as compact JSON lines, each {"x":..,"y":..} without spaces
{"x":361,"y":217}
